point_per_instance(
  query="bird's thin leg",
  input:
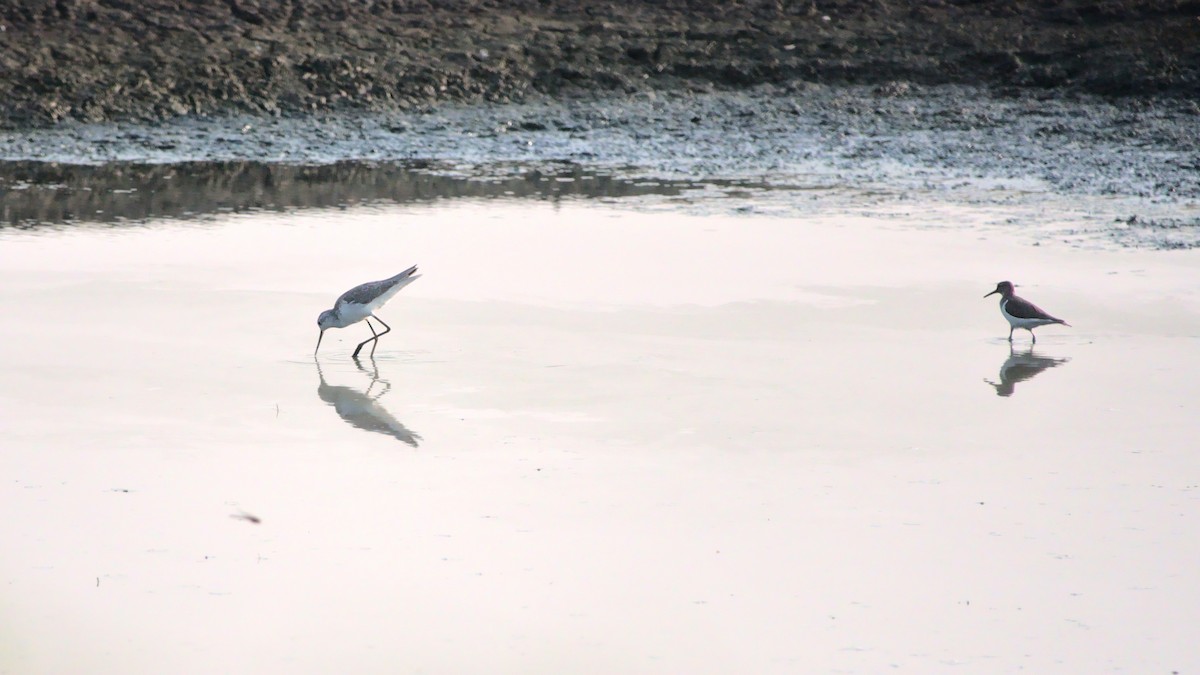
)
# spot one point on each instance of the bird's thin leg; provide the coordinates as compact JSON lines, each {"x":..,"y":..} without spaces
{"x":387,"y":329}
{"x":1010,"y":330}
{"x":370,"y":339}
{"x":1033,"y":336}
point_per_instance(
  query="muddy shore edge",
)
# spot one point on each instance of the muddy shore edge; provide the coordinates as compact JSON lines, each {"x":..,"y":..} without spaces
{"x":112,"y":60}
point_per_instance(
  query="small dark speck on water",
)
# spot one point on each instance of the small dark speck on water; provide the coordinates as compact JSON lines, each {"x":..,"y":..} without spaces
{"x":248,"y":517}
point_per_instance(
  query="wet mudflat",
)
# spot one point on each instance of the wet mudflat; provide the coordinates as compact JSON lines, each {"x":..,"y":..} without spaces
{"x":1128,"y":169}
{"x":600,"y":438}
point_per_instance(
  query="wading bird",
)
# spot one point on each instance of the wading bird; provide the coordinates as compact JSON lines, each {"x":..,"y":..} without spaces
{"x":1021,"y":313}
{"x":361,"y":302}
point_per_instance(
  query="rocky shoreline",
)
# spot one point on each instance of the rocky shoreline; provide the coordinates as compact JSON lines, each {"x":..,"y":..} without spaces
{"x":119,"y":60}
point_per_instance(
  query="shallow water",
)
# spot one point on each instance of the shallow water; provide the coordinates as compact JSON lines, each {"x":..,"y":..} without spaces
{"x":601,"y":437}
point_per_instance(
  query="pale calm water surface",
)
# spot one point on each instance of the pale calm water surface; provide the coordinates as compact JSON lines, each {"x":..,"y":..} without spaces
{"x":701,"y":385}
{"x":605,"y":435}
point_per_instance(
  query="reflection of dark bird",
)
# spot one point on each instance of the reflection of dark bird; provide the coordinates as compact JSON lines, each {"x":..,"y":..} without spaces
{"x":1020,"y":312}
{"x":1019,"y":367}
{"x":360,"y":302}
{"x":362,"y":409}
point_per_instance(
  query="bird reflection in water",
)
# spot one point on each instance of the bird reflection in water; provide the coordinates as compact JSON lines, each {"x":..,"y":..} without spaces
{"x":362,"y":409}
{"x":1021,"y":366}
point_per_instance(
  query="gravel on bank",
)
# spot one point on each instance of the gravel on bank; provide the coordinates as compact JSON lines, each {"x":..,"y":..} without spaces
{"x":119,"y":60}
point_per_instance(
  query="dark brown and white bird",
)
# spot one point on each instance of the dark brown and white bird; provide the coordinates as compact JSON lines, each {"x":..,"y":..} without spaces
{"x":1020,"y":312}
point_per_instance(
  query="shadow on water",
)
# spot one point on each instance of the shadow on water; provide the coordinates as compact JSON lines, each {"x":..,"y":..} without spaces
{"x":362,"y":408}
{"x":1021,"y":366}
{"x":35,"y":194}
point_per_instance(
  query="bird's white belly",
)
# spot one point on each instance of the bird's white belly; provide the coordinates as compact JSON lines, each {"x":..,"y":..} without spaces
{"x":353,"y":313}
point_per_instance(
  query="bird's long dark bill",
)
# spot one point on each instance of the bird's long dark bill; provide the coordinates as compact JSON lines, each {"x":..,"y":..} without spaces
{"x":319,"y":336}
{"x":992,"y":293}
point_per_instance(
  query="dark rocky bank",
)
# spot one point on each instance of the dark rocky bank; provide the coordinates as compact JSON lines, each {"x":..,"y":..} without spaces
{"x":111,"y":60}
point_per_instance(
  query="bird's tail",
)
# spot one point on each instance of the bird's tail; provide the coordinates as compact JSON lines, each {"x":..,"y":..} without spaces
{"x":1064,"y":323}
{"x":405,"y":278}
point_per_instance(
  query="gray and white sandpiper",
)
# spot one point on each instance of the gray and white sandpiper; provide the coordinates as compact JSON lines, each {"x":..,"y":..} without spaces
{"x":1021,"y":313}
{"x":361,"y":302}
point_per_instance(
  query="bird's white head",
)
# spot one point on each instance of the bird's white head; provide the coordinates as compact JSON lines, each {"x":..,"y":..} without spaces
{"x":327,"y":320}
{"x":1004,"y":288}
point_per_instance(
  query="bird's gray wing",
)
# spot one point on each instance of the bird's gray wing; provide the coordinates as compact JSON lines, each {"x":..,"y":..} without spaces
{"x":364,"y":293}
